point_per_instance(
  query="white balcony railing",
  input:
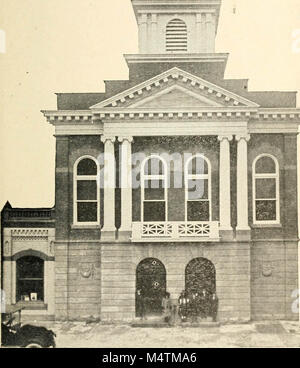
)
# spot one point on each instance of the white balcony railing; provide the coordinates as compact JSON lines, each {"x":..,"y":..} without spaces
{"x":175,"y":231}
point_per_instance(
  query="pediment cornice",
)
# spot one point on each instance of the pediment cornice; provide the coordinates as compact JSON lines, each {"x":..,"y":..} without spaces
{"x":173,"y":76}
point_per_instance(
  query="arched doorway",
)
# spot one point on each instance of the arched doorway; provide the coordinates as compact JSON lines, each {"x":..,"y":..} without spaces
{"x":151,"y":280}
{"x":200,"y":274}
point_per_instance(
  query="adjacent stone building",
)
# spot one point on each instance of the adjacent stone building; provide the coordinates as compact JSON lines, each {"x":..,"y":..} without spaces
{"x":174,"y":179}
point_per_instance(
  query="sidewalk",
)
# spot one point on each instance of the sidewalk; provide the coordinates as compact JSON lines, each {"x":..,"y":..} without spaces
{"x":259,"y":334}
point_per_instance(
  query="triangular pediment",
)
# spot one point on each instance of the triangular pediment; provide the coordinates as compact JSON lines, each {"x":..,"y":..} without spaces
{"x":175,"y":88}
{"x":175,"y":96}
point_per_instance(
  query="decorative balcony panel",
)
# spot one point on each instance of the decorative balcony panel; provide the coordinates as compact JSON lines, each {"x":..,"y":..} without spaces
{"x":175,"y":231}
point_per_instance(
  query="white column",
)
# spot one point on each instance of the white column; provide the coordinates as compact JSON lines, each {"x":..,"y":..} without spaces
{"x":126,"y":187}
{"x":242,"y":182}
{"x":225,"y":202}
{"x":153,"y":36}
{"x":210,"y":32}
{"x":199,"y":32}
{"x":108,"y":230}
{"x":143,"y":33}
{"x":203,"y":35}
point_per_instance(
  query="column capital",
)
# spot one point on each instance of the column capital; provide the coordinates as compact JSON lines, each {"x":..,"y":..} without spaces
{"x":199,"y":18}
{"x":209,"y":17}
{"x":125,"y":138}
{"x":228,"y":137}
{"x":245,"y":137}
{"x":153,"y":18}
{"x":105,"y":138}
{"x":143,"y":18}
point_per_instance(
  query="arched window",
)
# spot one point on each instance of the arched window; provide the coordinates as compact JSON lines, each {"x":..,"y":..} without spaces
{"x":30,"y":279}
{"x":176,"y":36}
{"x":266,"y":207}
{"x":154,"y":190}
{"x":86,"y":191}
{"x":198,"y":189}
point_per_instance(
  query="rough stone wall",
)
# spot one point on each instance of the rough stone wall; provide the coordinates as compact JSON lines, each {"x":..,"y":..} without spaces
{"x":77,"y":281}
{"x":274,"y":276}
{"x":119,"y":263}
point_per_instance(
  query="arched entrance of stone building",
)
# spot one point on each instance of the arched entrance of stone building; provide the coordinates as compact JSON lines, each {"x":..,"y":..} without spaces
{"x":151,"y":281}
{"x":200,"y":274}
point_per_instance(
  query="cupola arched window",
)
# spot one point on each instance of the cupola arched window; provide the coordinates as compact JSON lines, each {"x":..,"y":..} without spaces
{"x":176,"y":36}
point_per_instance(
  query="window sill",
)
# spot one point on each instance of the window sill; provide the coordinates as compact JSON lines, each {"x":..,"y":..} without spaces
{"x":33,"y":305}
{"x":266,"y":225}
{"x":83,"y":227}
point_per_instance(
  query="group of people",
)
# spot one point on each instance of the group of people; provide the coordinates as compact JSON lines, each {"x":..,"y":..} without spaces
{"x":198,"y":304}
{"x":189,"y":307}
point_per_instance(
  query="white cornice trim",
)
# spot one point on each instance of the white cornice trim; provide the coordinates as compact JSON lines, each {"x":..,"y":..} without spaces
{"x":175,"y":58}
{"x":82,"y":129}
{"x":175,"y":128}
{"x":203,"y":113}
{"x":56,"y":117}
{"x":272,"y":127}
{"x":278,"y":114}
{"x":174,"y":73}
{"x":177,"y":11}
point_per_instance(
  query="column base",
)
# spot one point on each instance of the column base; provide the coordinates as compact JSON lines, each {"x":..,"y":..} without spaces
{"x":124,"y":235}
{"x":243,"y":234}
{"x":226,"y":234}
{"x":108,"y":234}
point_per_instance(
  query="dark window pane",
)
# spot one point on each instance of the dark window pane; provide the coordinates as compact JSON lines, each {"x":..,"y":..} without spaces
{"x":154,"y":166}
{"x":87,"y":211}
{"x":154,"y":211}
{"x":30,"y":267}
{"x":87,"y":167}
{"x":265,"y":165}
{"x":86,"y":190}
{"x":198,"y":189}
{"x":154,"y":190}
{"x":30,"y":278}
{"x":26,"y":287}
{"x":265,"y":188}
{"x":198,"y":211}
{"x":198,"y":165}
{"x":265,"y":210}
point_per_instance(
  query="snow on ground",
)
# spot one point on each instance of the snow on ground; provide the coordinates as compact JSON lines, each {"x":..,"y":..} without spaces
{"x":260,"y":334}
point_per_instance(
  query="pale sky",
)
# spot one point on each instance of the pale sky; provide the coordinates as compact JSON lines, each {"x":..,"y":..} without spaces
{"x":73,"y":45}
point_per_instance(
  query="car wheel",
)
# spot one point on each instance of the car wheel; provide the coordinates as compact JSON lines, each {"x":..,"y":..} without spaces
{"x":33,"y":344}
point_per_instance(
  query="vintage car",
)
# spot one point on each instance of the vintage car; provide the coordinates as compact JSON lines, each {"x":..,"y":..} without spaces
{"x":13,"y":334}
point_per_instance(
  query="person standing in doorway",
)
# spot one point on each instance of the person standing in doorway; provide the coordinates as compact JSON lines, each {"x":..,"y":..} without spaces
{"x":167,"y":308}
{"x":183,"y":303}
{"x":214,"y":305}
{"x":141,"y":304}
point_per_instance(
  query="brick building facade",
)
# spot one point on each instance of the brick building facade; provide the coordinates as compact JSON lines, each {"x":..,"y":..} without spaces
{"x":127,"y":162}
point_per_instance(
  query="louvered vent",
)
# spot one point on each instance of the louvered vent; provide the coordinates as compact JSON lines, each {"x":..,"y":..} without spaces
{"x":176,"y":36}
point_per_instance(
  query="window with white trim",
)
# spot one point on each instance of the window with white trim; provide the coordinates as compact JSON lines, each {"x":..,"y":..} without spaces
{"x":198,"y":189}
{"x":154,"y":190}
{"x":266,"y":205}
{"x":176,"y":36}
{"x":86,"y":191}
